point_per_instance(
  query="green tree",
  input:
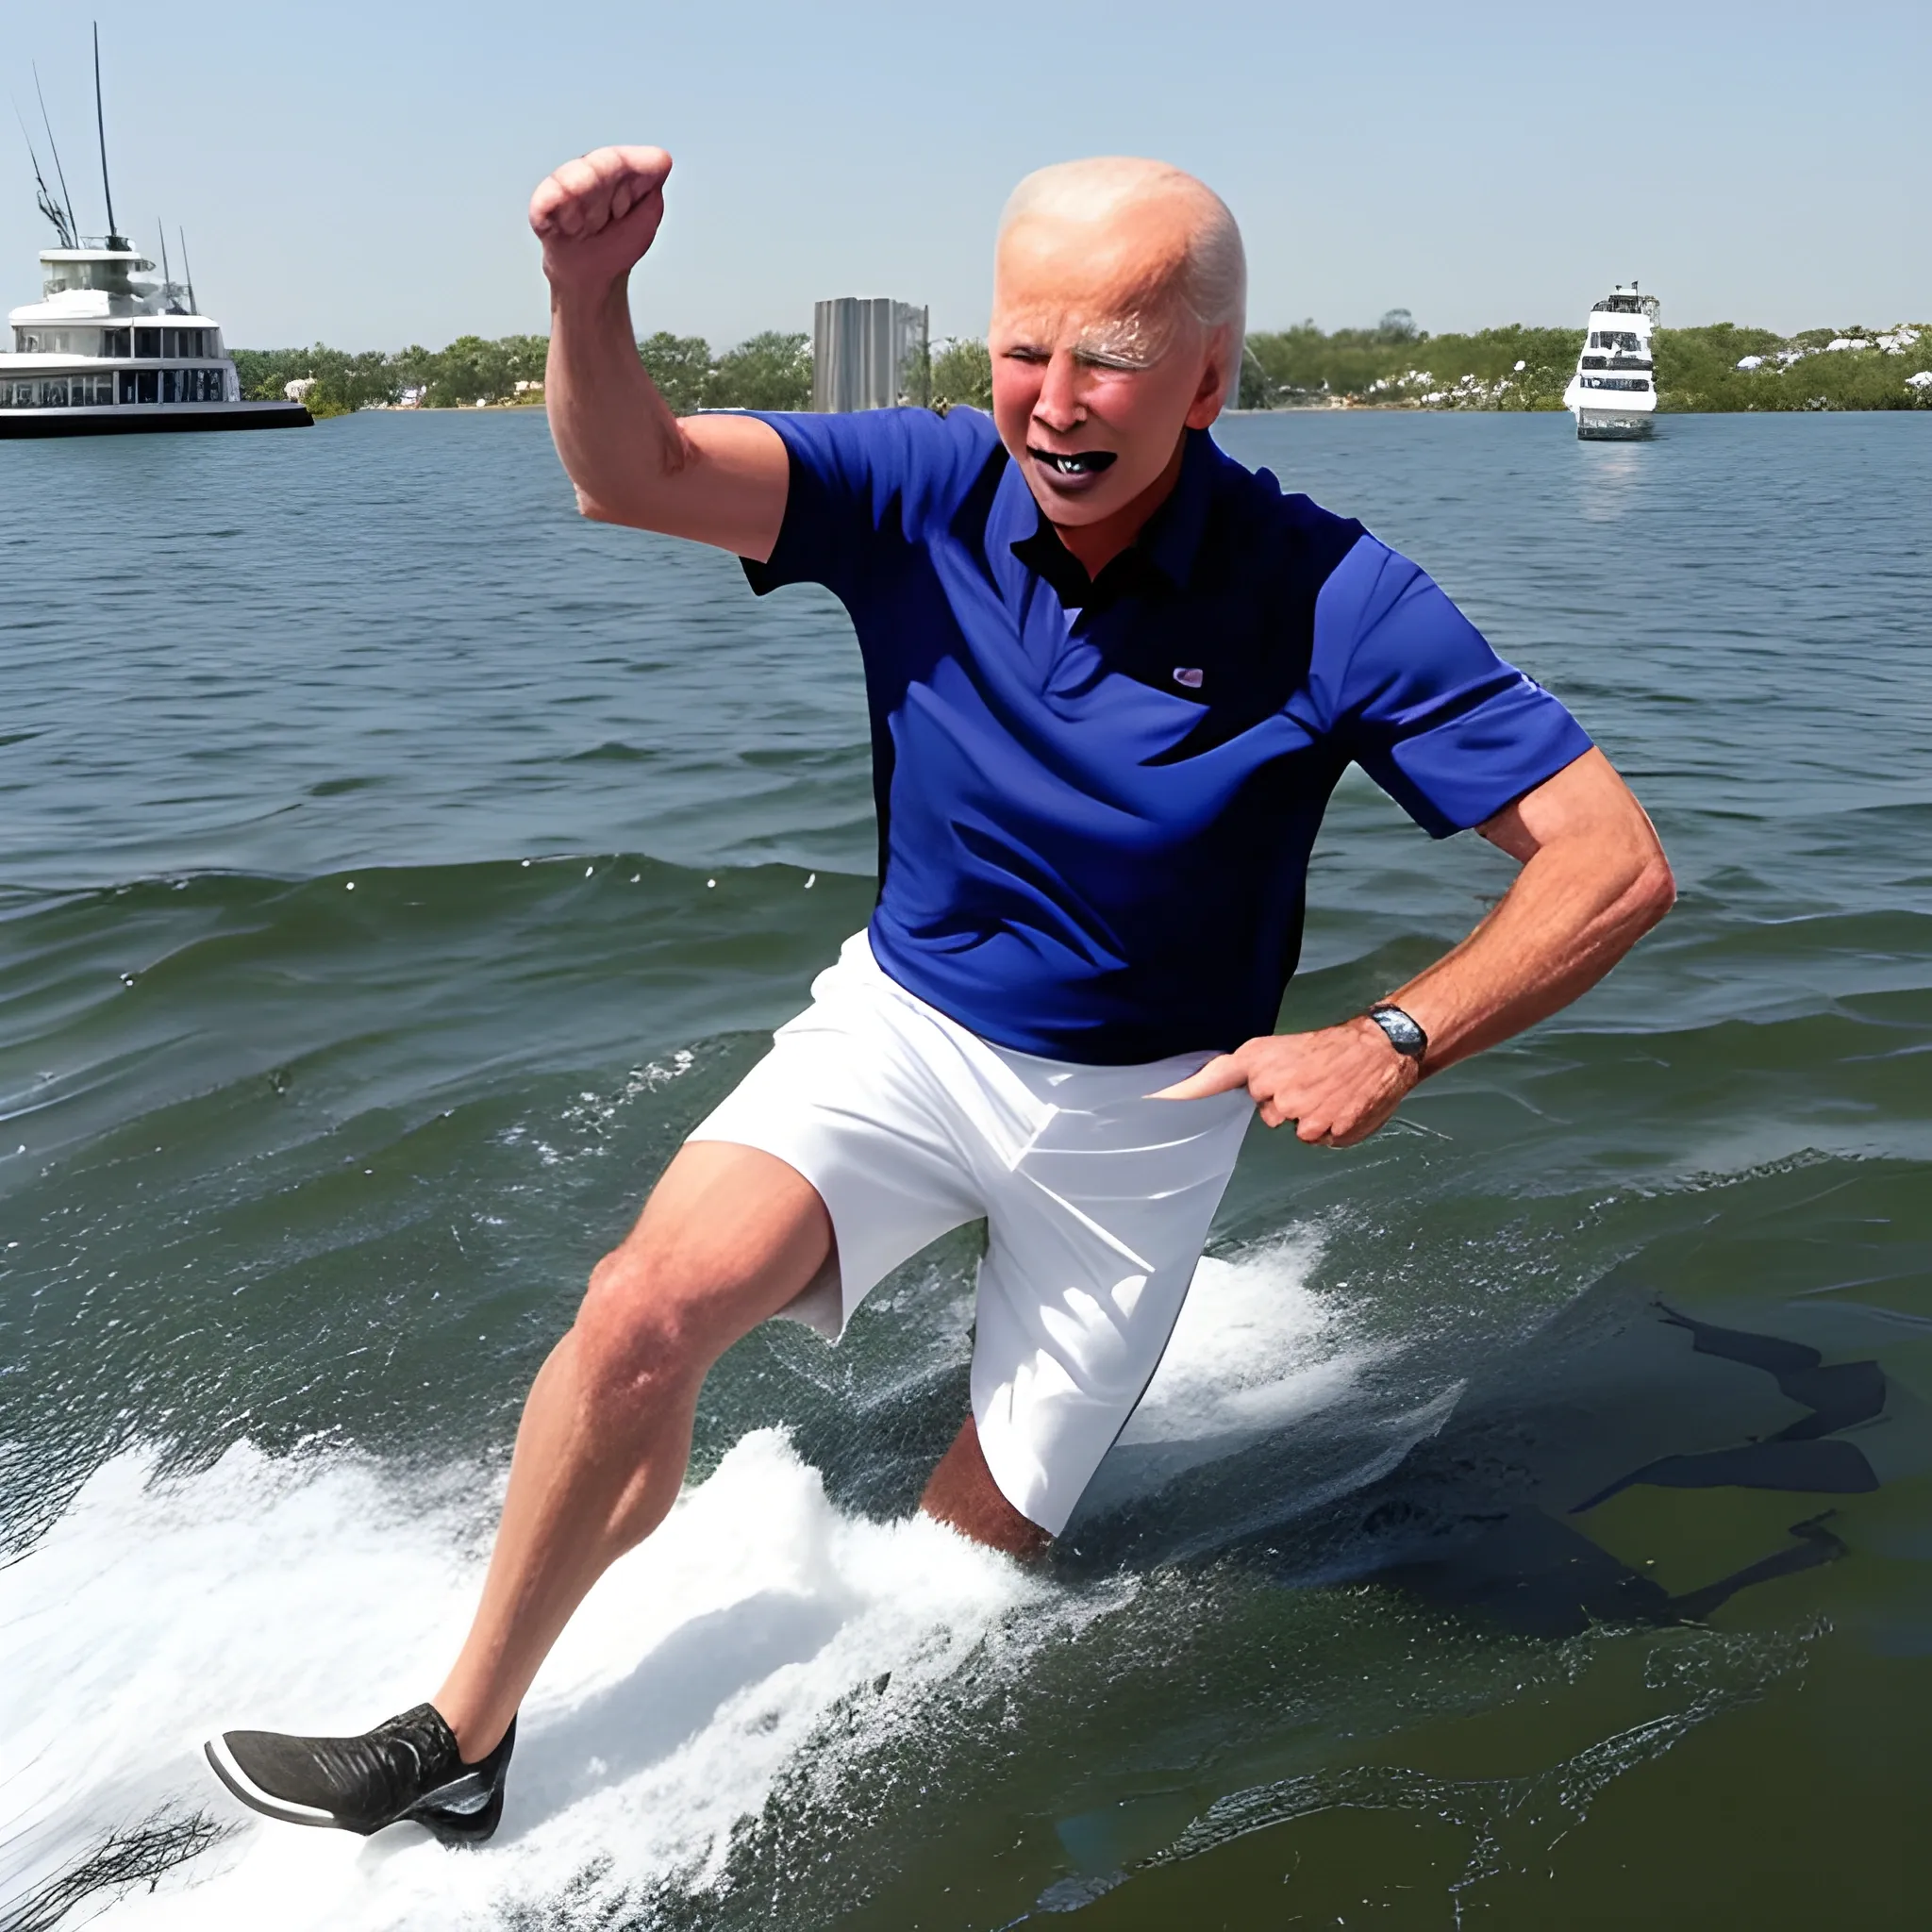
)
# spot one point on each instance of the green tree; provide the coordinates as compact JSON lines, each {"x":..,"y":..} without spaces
{"x":771,"y":371}
{"x":681,"y":368}
{"x":473,"y":371}
{"x":340,"y":382}
{"x":962,"y":373}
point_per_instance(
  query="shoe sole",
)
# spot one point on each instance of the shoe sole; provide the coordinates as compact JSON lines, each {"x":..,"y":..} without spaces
{"x":222,"y":1762}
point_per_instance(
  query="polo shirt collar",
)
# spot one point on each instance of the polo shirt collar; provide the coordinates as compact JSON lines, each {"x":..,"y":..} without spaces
{"x":1166,"y":547}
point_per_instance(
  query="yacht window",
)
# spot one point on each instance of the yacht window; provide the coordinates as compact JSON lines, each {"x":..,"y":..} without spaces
{"x":191,"y":385}
{"x":147,"y":343}
{"x":19,"y":395}
{"x":90,"y":391}
{"x":58,"y":342}
{"x":54,"y":393}
{"x":131,"y":379}
{"x":117,"y":342}
{"x":1596,"y":362}
{"x":150,"y":380}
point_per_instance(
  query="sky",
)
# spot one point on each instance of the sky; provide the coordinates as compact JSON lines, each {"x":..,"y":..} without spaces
{"x":359,"y":175}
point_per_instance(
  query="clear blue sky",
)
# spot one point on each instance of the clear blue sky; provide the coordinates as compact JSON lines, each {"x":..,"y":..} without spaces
{"x":357,"y":174}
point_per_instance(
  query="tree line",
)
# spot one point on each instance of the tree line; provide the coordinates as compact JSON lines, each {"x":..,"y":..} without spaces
{"x":1395,"y":362}
{"x":1522,"y":368}
{"x":771,"y":371}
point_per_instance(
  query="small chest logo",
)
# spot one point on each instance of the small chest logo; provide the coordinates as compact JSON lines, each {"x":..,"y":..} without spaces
{"x":1191,"y":678}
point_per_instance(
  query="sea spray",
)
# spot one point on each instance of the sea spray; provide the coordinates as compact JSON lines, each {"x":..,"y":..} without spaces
{"x":321,"y":1592}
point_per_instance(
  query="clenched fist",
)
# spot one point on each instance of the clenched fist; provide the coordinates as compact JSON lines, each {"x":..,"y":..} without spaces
{"x":597,"y":216}
{"x":1337,"y":1085}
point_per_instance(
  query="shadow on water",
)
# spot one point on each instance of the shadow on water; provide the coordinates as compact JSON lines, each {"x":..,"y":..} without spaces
{"x":1478,"y":1542}
{"x":1489,"y":1514}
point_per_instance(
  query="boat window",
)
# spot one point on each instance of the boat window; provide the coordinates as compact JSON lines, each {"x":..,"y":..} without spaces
{"x":1624,"y":339}
{"x":147,"y":342}
{"x":58,"y":342}
{"x":57,"y":392}
{"x":1596,"y":362}
{"x":182,"y":341}
{"x":191,"y":385}
{"x":110,"y":276}
{"x":117,"y":342}
{"x":150,"y":380}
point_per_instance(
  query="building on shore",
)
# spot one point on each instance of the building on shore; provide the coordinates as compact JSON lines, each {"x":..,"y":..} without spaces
{"x":869,"y":353}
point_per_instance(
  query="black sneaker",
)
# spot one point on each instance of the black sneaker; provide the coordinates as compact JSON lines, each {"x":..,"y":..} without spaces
{"x":408,"y":1768}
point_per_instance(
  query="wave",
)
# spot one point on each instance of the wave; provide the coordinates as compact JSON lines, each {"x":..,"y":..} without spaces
{"x":318,"y":1592}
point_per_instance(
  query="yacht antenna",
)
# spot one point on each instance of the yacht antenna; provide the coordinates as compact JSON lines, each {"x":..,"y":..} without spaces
{"x":59,"y":173}
{"x":114,"y":236}
{"x":193,"y":305}
{"x":167,"y":278}
{"x":49,"y":207}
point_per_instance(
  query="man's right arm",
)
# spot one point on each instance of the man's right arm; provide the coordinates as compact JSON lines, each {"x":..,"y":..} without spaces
{"x":716,"y":480}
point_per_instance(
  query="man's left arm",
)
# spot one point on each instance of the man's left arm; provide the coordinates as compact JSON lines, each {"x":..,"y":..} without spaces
{"x":1594,"y":880}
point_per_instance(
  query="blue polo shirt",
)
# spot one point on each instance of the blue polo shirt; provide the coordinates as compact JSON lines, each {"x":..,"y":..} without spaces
{"x":1097,"y":798}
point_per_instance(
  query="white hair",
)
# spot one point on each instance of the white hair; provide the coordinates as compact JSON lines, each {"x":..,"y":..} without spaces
{"x":1214,"y":282}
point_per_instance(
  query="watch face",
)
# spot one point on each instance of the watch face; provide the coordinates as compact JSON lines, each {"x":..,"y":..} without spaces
{"x":1404,"y":1036}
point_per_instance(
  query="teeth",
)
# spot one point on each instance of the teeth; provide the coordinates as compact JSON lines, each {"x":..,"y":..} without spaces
{"x":1078,"y":462}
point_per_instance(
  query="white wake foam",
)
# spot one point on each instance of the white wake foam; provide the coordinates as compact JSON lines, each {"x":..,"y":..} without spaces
{"x":150,"y":1616}
{"x":321,"y":1595}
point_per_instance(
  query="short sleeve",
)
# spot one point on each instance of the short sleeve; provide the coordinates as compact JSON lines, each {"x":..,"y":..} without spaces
{"x":1413,"y":693}
{"x":862,"y":479}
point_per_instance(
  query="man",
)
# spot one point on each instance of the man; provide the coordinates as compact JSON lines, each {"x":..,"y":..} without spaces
{"x":1113,"y":677}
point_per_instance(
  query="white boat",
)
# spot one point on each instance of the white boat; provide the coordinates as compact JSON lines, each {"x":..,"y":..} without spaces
{"x":1613,"y":393}
{"x":104,"y":353}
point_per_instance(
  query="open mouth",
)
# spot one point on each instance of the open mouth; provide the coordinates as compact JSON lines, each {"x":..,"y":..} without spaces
{"x":1084,"y":463}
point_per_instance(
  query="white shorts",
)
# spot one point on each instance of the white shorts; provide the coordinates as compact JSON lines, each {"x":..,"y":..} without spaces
{"x":1096,"y":1200}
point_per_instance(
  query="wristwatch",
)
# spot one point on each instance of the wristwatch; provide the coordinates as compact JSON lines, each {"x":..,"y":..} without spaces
{"x":1402,"y":1033}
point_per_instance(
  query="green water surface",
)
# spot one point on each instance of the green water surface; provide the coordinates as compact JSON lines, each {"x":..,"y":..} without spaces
{"x":393,"y":867}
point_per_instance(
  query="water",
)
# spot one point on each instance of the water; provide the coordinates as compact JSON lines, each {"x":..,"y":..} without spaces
{"x":391,"y":869}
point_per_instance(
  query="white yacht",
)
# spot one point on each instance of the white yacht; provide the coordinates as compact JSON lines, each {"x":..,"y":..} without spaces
{"x":1613,"y":393}
{"x":103,"y":352}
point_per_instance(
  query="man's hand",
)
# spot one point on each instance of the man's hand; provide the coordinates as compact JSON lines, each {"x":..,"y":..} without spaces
{"x":598,"y":215}
{"x":1593,"y":881}
{"x":1337,"y":1085}
{"x":717,"y":479}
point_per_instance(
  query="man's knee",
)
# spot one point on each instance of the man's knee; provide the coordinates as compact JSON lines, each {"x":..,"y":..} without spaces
{"x":639,"y":1335}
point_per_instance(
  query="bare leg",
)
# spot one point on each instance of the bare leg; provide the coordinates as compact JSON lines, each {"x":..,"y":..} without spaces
{"x":727,"y":1237}
{"x":963,"y":1493}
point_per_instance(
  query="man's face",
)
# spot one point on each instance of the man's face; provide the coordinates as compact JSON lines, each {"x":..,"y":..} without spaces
{"x":1097,"y":367}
